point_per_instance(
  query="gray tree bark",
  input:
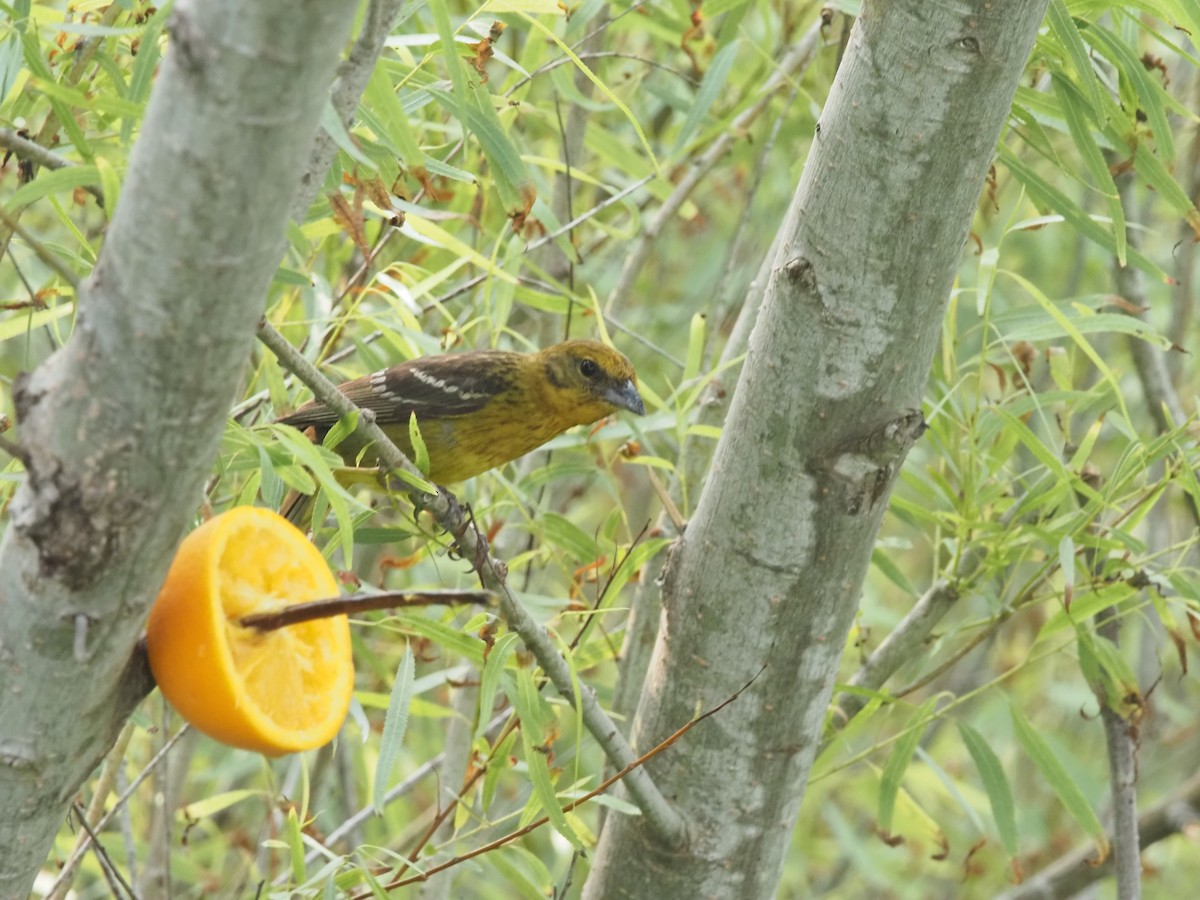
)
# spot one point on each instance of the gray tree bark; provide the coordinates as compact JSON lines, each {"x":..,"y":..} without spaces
{"x":120,"y":426}
{"x":768,"y":575}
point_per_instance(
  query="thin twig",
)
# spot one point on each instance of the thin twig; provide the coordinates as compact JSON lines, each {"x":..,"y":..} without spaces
{"x":443,"y":813}
{"x":39,"y":250}
{"x":111,"y":873}
{"x":579,"y":801}
{"x":108,"y":774}
{"x":352,"y":604}
{"x":547,"y":238}
{"x":599,"y":54}
{"x":67,"y":874}
{"x":15,"y":450}
{"x":796,"y":60}
{"x":591,"y":617}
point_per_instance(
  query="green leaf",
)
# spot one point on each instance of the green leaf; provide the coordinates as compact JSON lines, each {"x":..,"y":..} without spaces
{"x":882,"y":560}
{"x":490,"y":678}
{"x":1077,"y":113}
{"x":55,"y":181}
{"x":17,"y":325}
{"x":600,"y":86}
{"x":110,"y":185}
{"x":529,"y":705}
{"x":318,"y":463}
{"x":1059,"y":779}
{"x":1082,"y":321}
{"x":448,"y":638}
{"x":145,"y":64}
{"x":1066,"y":562}
{"x":562,"y":532}
{"x":295,"y":842}
{"x":420,"y":451}
{"x":210,"y":806}
{"x":332,"y":123}
{"x":1076,"y":336}
{"x":458,"y":77}
{"x":384,"y":112}
{"x":395,"y":723}
{"x":1149,"y":93}
{"x":996,"y":784}
{"x":897,"y":763}
{"x":710,"y":88}
{"x":1046,"y":195}
{"x":1063,"y":27}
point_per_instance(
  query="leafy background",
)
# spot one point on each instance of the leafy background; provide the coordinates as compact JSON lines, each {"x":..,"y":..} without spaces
{"x":1050,"y":493}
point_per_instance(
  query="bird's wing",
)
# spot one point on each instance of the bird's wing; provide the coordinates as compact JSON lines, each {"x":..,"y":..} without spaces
{"x":434,"y":387}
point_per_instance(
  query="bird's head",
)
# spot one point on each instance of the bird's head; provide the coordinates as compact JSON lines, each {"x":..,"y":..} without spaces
{"x":591,"y":378}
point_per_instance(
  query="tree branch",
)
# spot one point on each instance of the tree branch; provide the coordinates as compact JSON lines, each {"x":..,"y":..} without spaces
{"x":1070,"y":874}
{"x":662,"y":819}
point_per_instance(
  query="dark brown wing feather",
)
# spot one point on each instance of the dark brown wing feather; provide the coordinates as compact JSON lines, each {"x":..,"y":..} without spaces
{"x":433,"y":387}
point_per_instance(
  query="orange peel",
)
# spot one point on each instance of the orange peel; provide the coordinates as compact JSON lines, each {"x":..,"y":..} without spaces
{"x":278,"y":691}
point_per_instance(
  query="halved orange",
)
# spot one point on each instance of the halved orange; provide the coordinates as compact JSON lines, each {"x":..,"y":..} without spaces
{"x":275,"y":691}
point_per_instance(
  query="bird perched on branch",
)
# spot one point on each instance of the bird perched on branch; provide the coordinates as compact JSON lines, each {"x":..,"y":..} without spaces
{"x":481,"y":409}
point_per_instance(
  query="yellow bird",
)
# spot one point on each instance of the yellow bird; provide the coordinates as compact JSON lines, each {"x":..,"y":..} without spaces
{"x":483,"y":408}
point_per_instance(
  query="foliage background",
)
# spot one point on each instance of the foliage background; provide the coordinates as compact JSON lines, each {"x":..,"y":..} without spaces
{"x":1048,"y":491}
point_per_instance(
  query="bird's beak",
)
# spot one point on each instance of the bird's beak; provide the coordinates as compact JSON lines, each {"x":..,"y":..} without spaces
{"x":625,"y":396}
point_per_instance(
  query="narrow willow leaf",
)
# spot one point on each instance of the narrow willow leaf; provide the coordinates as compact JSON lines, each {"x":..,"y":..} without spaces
{"x":107,"y":104}
{"x":458,"y":77}
{"x":1149,"y":93}
{"x":17,"y":325}
{"x":1076,"y":335}
{"x":45,"y":78}
{"x":1060,"y":780}
{"x":882,"y":560}
{"x":996,"y":784}
{"x":1046,"y":195}
{"x":57,"y":181}
{"x":295,"y":842}
{"x":600,"y":86}
{"x":710,"y":88}
{"x":390,"y":120}
{"x":210,"y":806}
{"x":317,"y":462}
{"x":331,"y":122}
{"x":562,"y":532}
{"x":1083,"y":321}
{"x":490,"y":677}
{"x":1063,"y":27}
{"x":1159,"y":177}
{"x":420,"y":451}
{"x":1120,"y":682}
{"x":1078,"y":113}
{"x":528,"y":703}
{"x":395,"y":723}
{"x":448,"y":638}
{"x":514,"y":182}
{"x":897,"y":764}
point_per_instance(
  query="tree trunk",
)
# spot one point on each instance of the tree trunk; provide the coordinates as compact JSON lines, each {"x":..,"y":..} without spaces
{"x":120,"y":427}
{"x":767,"y":578}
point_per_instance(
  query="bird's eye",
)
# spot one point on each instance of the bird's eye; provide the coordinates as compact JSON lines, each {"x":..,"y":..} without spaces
{"x":588,"y":368}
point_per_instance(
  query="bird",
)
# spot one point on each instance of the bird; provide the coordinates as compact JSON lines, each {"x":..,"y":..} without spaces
{"x":480,"y":409}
